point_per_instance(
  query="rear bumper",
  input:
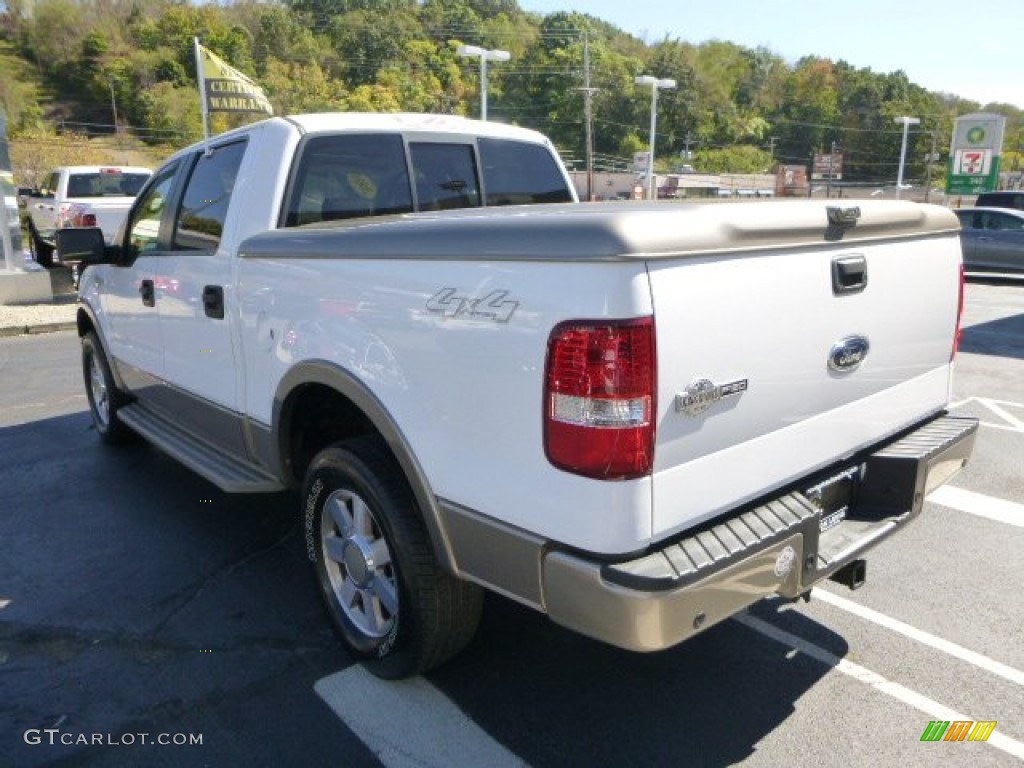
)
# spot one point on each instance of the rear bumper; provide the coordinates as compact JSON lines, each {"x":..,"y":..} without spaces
{"x":777,"y":547}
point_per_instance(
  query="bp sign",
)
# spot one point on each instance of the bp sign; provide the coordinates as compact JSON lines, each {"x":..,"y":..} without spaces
{"x":974,"y":154}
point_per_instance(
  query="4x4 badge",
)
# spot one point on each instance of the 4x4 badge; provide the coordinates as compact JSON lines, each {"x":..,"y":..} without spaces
{"x":701,"y":394}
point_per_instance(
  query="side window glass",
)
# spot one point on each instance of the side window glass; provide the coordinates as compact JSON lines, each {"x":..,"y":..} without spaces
{"x":346,"y":176}
{"x":445,"y":176}
{"x":516,"y":173}
{"x":144,"y":225}
{"x":204,"y":206}
{"x":1010,"y":223}
{"x":51,"y":185}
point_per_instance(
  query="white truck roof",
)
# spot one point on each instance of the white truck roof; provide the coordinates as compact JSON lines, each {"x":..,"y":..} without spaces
{"x":111,"y":167}
{"x":408,"y":121}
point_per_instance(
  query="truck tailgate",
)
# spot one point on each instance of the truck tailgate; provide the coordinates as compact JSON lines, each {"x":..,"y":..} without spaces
{"x":776,"y":360}
{"x":109,"y":212}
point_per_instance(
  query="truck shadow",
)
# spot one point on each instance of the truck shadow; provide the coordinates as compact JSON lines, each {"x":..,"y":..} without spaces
{"x":1000,"y":338}
{"x":555,"y":698}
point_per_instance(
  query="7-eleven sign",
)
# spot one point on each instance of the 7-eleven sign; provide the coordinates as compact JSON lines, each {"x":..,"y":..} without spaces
{"x":972,"y":162}
{"x":974,"y":153}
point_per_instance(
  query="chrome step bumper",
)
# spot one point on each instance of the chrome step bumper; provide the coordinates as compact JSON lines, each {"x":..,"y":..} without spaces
{"x":776,"y":547}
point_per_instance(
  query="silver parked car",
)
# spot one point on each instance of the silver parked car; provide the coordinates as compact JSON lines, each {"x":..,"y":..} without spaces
{"x":993,"y":239}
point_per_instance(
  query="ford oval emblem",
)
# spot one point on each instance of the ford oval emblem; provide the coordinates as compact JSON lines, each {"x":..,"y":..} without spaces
{"x":848,"y":354}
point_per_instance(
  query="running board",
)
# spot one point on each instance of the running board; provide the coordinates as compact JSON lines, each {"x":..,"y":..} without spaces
{"x":226,"y":472}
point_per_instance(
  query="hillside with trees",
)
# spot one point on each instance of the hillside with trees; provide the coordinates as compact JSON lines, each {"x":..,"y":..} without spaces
{"x":95,"y":64}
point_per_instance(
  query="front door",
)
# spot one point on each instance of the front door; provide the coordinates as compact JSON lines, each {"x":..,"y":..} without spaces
{"x":195,"y":297}
{"x":129,"y":291}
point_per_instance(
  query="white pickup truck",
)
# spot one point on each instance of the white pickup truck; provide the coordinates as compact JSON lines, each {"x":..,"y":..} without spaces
{"x":637,"y":418}
{"x":80,"y":195}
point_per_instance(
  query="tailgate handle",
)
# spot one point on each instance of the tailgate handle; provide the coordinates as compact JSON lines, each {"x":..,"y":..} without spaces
{"x":849,"y":274}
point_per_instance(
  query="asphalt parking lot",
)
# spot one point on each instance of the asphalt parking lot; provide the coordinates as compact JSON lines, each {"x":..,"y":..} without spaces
{"x":146,"y":618}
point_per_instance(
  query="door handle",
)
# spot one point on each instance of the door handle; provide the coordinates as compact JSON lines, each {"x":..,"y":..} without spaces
{"x":849,"y":274}
{"x":147,"y":293}
{"x":213,"y":301}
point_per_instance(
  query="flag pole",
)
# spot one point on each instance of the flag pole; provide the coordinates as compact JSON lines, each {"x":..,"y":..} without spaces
{"x":202,"y":89}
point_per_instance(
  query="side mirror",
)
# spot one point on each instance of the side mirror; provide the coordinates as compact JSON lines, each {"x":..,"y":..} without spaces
{"x":85,"y":246}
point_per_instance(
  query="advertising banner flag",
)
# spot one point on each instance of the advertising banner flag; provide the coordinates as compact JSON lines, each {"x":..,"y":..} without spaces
{"x":225,"y":89}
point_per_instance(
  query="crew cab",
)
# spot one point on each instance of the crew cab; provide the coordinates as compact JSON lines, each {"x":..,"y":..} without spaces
{"x":637,"y":418}
{"x":80,"y":195}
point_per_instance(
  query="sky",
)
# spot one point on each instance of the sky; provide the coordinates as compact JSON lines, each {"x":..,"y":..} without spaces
{"x":953,"y":46}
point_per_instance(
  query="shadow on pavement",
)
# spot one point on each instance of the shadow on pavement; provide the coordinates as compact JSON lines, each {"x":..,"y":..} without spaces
{"x":555,"y":698}
{"x":1000,"y":338}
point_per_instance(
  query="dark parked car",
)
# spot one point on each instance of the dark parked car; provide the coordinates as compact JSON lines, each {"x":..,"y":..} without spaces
{"x":993,"y":239}
{"x":1005,"y":199}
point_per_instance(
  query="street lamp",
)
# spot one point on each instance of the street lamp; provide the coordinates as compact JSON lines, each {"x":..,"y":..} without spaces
{"x":907,"y":122}
{"x":484,"y":55}
{"x":655,"y":84}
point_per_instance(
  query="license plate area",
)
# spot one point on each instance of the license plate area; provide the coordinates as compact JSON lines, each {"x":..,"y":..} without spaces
{"x":835,"y":497}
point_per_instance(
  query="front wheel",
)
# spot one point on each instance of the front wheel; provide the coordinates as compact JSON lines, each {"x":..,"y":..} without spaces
{"x":105,"y":399}
{"x":393,"y":606}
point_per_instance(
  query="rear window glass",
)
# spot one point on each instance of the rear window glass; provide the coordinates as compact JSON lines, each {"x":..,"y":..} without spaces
{"x":106,"y":184}
{"x":445,"y":176}
{"x":516,"y":173}
{"x":347,"y":176}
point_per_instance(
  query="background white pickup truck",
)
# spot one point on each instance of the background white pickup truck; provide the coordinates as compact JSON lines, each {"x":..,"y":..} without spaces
{"x":637,"y":418}
{"x":80,"y":195}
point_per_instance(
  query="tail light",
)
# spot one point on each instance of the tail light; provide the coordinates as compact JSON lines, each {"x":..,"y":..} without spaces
{"x":959,"y":316}
{"x":86,"y":220}
{"x":599,"y":398}
{"x":65,"y":214}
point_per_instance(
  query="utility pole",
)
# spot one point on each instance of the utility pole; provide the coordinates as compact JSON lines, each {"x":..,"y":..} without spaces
{"x":828,"y":185}
{"x":687,"y":142}
{"x":771,"y":148}
{"x":588,"y":116}
{"x":933,"y":157}
{"x":113,"y":103}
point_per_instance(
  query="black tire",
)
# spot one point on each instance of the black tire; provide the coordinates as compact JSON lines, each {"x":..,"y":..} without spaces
{"x":105,"y":399}
{"x":393,"y":606}
{"x":42,"y":251}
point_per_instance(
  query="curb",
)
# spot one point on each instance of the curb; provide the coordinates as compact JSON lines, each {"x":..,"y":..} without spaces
{"x":26,"y":330}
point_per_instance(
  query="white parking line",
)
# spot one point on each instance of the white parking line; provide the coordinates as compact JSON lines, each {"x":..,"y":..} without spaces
{"x":901,"y":693}
{"x":409,"y":723}
{"x":919,"y":635}
{"x":996,"y":408}
{"x":1000,"y":510}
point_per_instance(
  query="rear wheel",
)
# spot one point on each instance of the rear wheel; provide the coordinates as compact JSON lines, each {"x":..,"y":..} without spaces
{"x":42,"y":251}
{"x":105,"y":399}
{"x":393,"y":606}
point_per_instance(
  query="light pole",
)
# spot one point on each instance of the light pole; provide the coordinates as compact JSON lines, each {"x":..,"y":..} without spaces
{"x":907,"y":122}
{"x":484,"y":55}
{"x":655,"y":84}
